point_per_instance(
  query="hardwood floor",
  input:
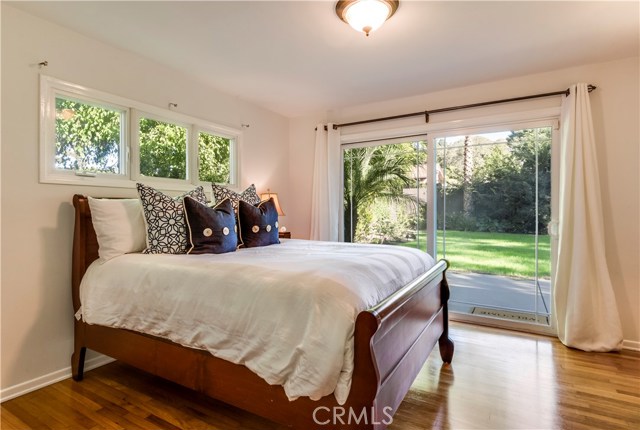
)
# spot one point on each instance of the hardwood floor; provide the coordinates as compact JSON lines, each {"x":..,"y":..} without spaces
{"x":498,"y":380}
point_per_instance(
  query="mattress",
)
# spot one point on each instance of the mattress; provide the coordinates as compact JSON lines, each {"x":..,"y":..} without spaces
{"x":287,"y":312}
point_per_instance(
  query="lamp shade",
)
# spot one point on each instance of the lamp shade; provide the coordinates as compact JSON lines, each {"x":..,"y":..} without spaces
{"x":269,"y":195}
{"x":366,"y":15}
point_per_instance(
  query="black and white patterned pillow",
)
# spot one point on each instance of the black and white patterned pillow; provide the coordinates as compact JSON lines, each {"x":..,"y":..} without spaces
{"x":249,"y":195}
{"x":164,"y":219}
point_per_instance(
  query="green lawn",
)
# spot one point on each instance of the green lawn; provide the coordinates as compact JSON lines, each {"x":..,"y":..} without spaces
{"x":494,"y":253}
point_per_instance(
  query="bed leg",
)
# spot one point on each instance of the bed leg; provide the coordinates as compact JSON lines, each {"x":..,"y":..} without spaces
{"x":77,"y":363}
{"x":446,"y":348}
{"x":445,"y":343}
{"x":79,"y":351}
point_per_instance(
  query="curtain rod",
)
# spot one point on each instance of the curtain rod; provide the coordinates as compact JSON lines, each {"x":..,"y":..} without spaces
{"x":426,"y":113}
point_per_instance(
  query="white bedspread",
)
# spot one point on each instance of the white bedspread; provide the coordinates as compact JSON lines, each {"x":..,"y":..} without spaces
{"x":287,"y":311}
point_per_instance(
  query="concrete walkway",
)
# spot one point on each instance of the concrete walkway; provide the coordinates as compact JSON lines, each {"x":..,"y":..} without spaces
{"x":469,"y":290}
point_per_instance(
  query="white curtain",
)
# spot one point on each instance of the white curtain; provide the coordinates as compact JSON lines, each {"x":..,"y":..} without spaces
{"x":325,"y":203}
{"x":584,"y":301}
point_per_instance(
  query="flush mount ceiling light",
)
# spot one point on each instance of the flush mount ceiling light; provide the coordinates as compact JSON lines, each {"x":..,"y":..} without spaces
{"x":366,"y":15}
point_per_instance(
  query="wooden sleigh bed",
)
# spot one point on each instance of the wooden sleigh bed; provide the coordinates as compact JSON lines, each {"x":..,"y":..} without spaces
{"x":392,"y":341}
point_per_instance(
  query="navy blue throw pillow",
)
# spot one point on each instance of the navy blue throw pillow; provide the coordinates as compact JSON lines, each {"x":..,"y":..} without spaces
{"x":258,"y":225}
{"x":211,"y":230}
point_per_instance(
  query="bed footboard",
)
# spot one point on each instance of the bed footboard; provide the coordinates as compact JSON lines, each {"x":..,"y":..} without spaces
{"x":405,"y":329}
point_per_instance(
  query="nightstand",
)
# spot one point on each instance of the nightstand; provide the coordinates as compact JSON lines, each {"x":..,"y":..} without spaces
{"x":284,"y":234}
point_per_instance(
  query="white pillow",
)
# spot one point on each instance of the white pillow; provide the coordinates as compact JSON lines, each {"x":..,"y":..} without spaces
{"x":119,"y":226}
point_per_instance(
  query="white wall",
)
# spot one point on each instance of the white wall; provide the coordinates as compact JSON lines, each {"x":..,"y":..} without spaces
{"x":37,"y":219}
{"x":615,"y":106}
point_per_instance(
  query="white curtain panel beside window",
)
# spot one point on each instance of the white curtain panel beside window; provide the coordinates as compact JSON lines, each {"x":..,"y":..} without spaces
{"x":325,"y":200}
{"x":584,"y":301}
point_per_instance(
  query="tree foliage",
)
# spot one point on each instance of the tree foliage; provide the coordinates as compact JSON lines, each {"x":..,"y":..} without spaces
{"x":163,"y":149}
{"x":374,"y":174}
{"x":214,"y":153}
{"x":87,"y":137}
{"x":503,"y":186}
{"x":496,"y":187}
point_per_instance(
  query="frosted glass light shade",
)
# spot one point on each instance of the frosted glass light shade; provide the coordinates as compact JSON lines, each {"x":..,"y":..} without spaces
{"x":366,"y":15}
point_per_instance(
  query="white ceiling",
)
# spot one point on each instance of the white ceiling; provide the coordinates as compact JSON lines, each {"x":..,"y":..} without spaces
{"x":297,"y":57}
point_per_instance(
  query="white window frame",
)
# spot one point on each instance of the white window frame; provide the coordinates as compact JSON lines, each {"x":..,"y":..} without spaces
{"x":130,"y":150}
{"x":50,"y":89}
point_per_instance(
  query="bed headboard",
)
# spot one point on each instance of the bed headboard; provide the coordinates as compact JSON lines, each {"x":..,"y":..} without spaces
{"x":85,"y":246}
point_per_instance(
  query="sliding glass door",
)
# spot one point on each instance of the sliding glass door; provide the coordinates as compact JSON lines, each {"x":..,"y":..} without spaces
{"x":493,"y":209}
{"x":481,"y":200}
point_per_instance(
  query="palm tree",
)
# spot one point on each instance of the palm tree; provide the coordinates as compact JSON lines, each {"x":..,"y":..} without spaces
{"x":372,"y":174}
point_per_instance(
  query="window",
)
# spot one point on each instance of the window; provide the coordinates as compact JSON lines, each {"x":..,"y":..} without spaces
{"x":163,"y":149}
{"x":214,"y":158}
{"x":88,"y":136}
{"x":93,"y":138}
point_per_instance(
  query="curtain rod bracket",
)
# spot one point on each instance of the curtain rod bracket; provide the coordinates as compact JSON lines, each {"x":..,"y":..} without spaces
{"x":426,"y":117}
{"x":590,"y":88}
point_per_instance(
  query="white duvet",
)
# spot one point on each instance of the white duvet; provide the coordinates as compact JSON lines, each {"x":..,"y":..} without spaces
{"x":287,"y":312}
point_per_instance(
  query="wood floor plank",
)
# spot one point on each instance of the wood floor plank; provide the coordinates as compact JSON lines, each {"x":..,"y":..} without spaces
{"x":64,"y":416}
{"x":24,"y":413}
{"x":498,"y":380}
{"x":10,"y":421}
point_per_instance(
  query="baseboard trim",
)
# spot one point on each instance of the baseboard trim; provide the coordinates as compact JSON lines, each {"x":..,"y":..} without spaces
{"x":631,"y":345}
{"x":51,"y":378}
